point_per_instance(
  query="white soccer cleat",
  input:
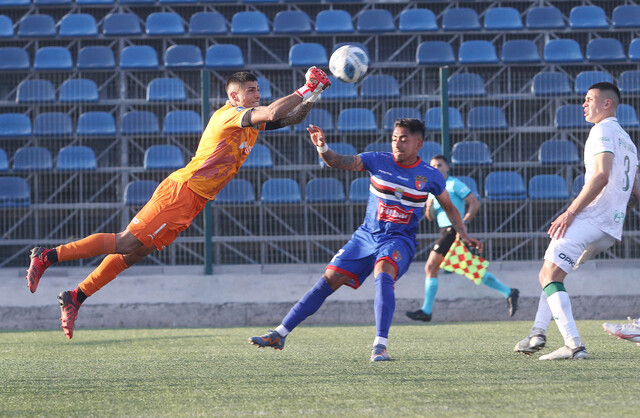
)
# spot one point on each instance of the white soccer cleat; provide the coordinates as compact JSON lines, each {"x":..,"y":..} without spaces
{"x":530,"y":344}
{"x":630,"y":331}
{"x":566,"y":353}
{"x":611,"y":328}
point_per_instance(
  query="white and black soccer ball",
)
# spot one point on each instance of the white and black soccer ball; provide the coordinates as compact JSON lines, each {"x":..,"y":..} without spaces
{"x":348,"y":63}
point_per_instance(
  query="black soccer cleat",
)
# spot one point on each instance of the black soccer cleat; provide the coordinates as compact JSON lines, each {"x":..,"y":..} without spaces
{"x":419,"y":315}
{"x":512,"y":301}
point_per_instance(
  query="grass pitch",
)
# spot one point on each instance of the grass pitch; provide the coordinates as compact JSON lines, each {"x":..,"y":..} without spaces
{"x":437,"y":370}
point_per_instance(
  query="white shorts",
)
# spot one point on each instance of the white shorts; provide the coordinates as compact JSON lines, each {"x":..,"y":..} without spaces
{"x":581,"y":242}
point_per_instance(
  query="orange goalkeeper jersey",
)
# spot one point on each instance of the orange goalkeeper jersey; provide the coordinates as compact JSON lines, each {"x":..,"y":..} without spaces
{"x":224,"y":146}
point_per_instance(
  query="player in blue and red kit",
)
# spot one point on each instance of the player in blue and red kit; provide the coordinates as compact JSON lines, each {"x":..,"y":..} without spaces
{"x":385,"y":243}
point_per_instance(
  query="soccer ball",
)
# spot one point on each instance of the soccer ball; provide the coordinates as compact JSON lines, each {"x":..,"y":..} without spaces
{"x":348,"y":63}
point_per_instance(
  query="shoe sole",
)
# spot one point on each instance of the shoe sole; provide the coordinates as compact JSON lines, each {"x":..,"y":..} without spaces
{"x":265,"y":346}
{"x":32,"y":282}
{"x":63,"y":299}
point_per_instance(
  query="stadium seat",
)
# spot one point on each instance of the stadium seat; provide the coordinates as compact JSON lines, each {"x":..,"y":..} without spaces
{"x":571,"y":117}
{"x":586,"y":79}
{"x":95,"y":58}
{"x":380,"y":86}
{"x":417,"y":20}
{"x":237,"y":191}
{"x":265,"y":89}
{"x":548,"y":186}
{"x":502,"y":18}
{"x":280,"y":191}
{"x":14,"y":192}
{"x":435,"y":53}
{"x":14,"y":125}
{"x":318,"y":117}
{"x":394,"y":113}
{"x":32,"y":159}
{"x":375,"y":21}
{"x":249,"y":23}
{"x":605,"y":50}
{"x":359,"y":189}
{"x":183,"y":56}
{"x":121,"y":24}
{"x":52,"y":58}
{"x":138,"y":192}
{"x":78,"y":91}
{"x":634,"y":50}
{"x":558,"y":151}
{"x":139,"y":122}
{"x":96,"y":124}
{"x":259,"y":157}
{"x":325,"y":190}
{"x":588,"y":17}
{"x":562,"y":51}
{"x":207,"y":23}
{"x":460,"y":19}
{"x":627,"y":116}
{"x":136,"y":2}
{"x":51,"y":2}
{"x":334,"y":21}
{"x":520,"y":51}
{"x":466,"y":84}
{"x":504,"y":185}
{"x":166,"y":90}
{"x":182,"y":122}
{"x":378,"y":147}
{"x":477,"y":52}
{"x":78,"y":25}
{"x":629,"y":82}
{"x":95,"y":2}
{"x":545,"y":18}
{"x":550,"y":84}
{"x":4,"y":161}
{"x":340,"y":90}
{"x":291,"y":22}
{"x":433,"y":119}
{"x":471,"y":184}
{"x":163,"y":157}
{"x":358,"y":44}
{"x":14,"y":58}
{"x":626,"y":16}
{"x":577,"y":185}
{"x":15,"y":3}
{"x":164,"y":24}
{"x":138,"y":57}
{"x":37,"y":26}
{"x":308,"y":54}
{"x":77,"y":157}
{"x":471,"y":153}
{"x":224,"y":56}
{"x":35,"y":91}
{"x":357,"y":120}
{"x":6,"y":27}
{"x":486,"y":117}
{"x":53,"y":124}
{"x":428,"y":150}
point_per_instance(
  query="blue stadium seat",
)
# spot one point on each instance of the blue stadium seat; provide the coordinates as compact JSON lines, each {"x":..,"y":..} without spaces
{"x":466,"y":84}
{"x":308,"y":54}
{"x":504,"y":185}
{"x":380,"y":86}
{"x":138,"y":192}
{"x":6,"y":27}
{"x":138,"y":57}
{"x":94,"y":2}
{"x":265,"y":88}
{"x":96,"y":124}
{"x":375,"y":21}
{"x":207,"y":23}
{"x":477,"y":52}
{"x":486,"y":117}
{"x":359,"y":189}
{"x":577,"y":185}
{"x":562,"y":51}
{"x":341,"y":148}
{"x":237,"y":191}
{"x":358,"y":44}
{"x":586,"y":79}
{"x":471,"y":153}
{"x":14,"y":192}
{"x":35,"y":91}
{"x":520,"y":51}
{"x":433,"y":119}
{"x":334,"y":21}
{"x":32,"y":159}
{"x":435,"y":53}
{"x":318,"y":117}
{"x":394,"y":113}
{"x":626,"y":16}
{"x":78,"y":91}
{"x":571,"y":117}
{"x":37,"y":26}
{"x":249,"y":23}
{"x":179,"y":2}
{"x":166,"y":89}
{"x":53,"y":58}
{"x":460,"y":19}
{"x":629,"y":82}
{"x":550,"y":84}
{"x":558,"y":151}
{"x":53,"y":124}
{"x":634,"y":50}
{"x":96,"y":58}
{"x":340,"y":90}
{"x":605,"y":50}
{"x":136,"y":2}
{"x":417,"y":20}
{"x":357,"y":120}
{"x":471,"y":184}
{"x":14,"y":58}
{"x":325,"y":190}
{"x":378,"y":147}
{"x":121,"y":24}
{"x":548,"y":187}
{"x":588,"y":17}
{"x":14,"y":125}
{"x":183,"y":56}
{"x":15,"y":3}
{"x":259,"y":157}
{"x":51,"y":2}
{"x":502,"y":18}
{"x":164,"y":24}
{"x":139,"y":122}
{"x":78,"y":25}
{"x":223,"y":56}
{"x":428,"y":150}
{"x":182,"y":122}
{"x":4,"y":161}
{"x":627,"y":116}
{"x":74,"y":158}
{"x":545,"y":18}
{"x":291,"y":22}
{"x":163,"y":157}
{"x":280,"y":191}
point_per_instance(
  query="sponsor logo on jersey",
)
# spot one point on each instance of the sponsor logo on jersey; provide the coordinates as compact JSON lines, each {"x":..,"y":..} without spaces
{"x":396,"y":256}
{"x":421,"y":182}
{"x":244,"y":147}
{"x":135,"y":221}
{"x":618,"y":216}
{"x":240,"y":108}
{"x":398,"y":193}
{"x":393,"y":213}
{"x":563,"y":256}
{"x":604,"y":139}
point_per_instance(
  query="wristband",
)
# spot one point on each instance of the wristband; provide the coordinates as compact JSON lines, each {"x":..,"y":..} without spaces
{"x":322,"y":149}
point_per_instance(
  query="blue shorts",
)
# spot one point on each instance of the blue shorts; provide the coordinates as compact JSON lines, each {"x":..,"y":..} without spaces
{"x":358,"y":257}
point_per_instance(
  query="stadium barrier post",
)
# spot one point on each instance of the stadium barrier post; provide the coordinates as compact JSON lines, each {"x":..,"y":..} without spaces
{"x":444,"y":109}
{"x":205,"y":83}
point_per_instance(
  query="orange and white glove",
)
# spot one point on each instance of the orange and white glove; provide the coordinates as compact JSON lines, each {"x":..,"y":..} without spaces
{"x":316,"y":81}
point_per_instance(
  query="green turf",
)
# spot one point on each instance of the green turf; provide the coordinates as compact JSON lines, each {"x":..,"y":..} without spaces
{"x":437,"y":370}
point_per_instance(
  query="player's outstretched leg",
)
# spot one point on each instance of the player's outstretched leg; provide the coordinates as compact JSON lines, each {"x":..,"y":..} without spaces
{"x":533,"y":343}
{"x":379,"y":353}
{"x":270,"y":339}
{"x":39,"y":263}
{"x":629,"y":332}
{"x":566,"y":353}
{"x":69,"y":305}
{"x":512,"y":301}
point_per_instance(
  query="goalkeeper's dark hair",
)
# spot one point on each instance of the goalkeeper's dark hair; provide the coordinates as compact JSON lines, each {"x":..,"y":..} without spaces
{"x":414,"y":125}
{"x":441,"y":157}
{"x":239,"y":78}
{"x":606,"y":86}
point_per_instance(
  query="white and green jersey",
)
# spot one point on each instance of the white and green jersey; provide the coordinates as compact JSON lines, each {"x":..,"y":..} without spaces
{"x":608,"y":209}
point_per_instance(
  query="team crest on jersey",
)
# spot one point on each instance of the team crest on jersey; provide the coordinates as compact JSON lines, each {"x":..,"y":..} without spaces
{"x":240,"y":108}
{"x":244,"y":147}
{"x":421,"y":182}
{"x":396,"y":255}
{"x":398,"y":193}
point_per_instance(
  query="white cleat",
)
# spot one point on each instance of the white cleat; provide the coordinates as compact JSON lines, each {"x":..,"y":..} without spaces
{"x":629,"y":332}
{"x":530,"y":344}
{"x":566,"y":353}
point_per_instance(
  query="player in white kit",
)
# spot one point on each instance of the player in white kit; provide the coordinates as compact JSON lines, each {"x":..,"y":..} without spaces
{"x":591,"y":223}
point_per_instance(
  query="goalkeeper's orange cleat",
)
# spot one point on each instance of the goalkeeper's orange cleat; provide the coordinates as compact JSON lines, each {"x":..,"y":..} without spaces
{"x":39,"y":263}
{"x":69,"y":306}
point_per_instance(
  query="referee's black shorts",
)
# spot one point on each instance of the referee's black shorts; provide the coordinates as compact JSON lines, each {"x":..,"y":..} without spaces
{"x":444,"y":242}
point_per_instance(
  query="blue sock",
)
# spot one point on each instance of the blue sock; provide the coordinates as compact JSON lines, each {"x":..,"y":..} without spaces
{"x":491,"y":281}
{"x":430,"y":290}
{"x":384,"y":304}
{"x":308,"y":304}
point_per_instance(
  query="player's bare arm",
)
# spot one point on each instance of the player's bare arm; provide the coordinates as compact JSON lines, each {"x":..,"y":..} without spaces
{"x":456,"y":220}
{"x":275,"y":111}
{"x":298,"y":114}
{"x":474,"y":207}
{"x":329,"y":156}
{"x":429,"y":211}
{"x":635,"y":192}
